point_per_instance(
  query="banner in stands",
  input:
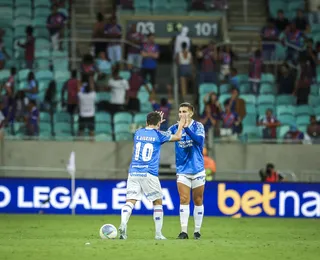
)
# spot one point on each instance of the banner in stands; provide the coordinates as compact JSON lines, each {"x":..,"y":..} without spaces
{"x":233,"y":199}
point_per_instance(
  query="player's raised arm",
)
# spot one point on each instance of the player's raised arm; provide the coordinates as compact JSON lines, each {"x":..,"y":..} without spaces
{"x":198,"y":135}
{"x":177,"y":136}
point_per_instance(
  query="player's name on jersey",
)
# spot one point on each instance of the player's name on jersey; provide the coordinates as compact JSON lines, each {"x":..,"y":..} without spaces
{"x":146,"y":138}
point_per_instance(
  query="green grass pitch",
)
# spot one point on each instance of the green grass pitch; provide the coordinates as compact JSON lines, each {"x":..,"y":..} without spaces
{"x":53,"y":237}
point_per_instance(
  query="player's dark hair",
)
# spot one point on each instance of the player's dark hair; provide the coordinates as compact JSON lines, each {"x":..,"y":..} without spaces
{"x":188,"y":105}
{"x":153,"y":118}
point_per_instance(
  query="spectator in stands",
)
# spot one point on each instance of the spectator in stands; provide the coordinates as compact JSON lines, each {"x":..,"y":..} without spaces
{"x":19,"y":106}
{"x":304,"y":82}
{"x":98,"y":33}
{"x":165,"y":106}
{"x":318,"y":53}
{"x":301,"y":22}
{"x":88,"y":66}
{"x":294,"y":135}
{"x":118,"y":87}
{"x":135,"y":82}
{"x":270,"y":124}
{"x":50,"y":101}
{"x":198,"y":5}
{"x":8,"y":102}
{"x":234,"y":79}
{"x":286,"y":80}
{"x":255,"y":71}
{"x":281,"y":21}
{"x":113,"y":32}
{"x":55,"y":24}
{"x":310,"y":55}
{"x":31,"y":91}
{"x":87,"y":98}
{"x":2,"y":121}
{"x":32,"y":119}
{"x":72,"y":87}
{"x":150,"y":54}
{"x":181,"y":38}
{"x":104,"y":69}
{"x":3,"y":53}
{"x":313,"y":129}
{"x":209,"y":56}
{"x":207,"y":119}
{"x":227,"y":57}
{"x":136,"y":39}
{"x":209,"y":165}
{"x":269,"y":174}
{"x":293,"y":39}
{"x":231,"y":123}
{"x":184,"y":61}
{"x":211,"y":99}
{"x":269,"y":35}
{"x":238,"y":106}
{"x":29,"y":47}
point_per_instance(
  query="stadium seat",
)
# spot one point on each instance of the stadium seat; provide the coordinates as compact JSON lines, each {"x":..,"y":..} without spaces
{"x":315,"y":90}
{"x":223,"y":98}
{"x":251,"y":131}
{"x":285,"y":110}
{"x":123,"y":137}
{"x":43,"y":64}
{"x":303,"y":120}
{"x":122,"y":117}
{"x":245,"y":89}
{"x":63,"y":117}
{"x":282,"y":131}
{"x":267,"y":77}
{"x":143,"y":97}
{"x":23,"y":12}
{"x":44,"y":117}
{"x":160,"y":6}
{"x":19,"y":33}
{"x":207,"y":88}
{"x":140,"y":118}
{"x":125,"y":74}
{"x":304,"y":110}
{"x":42,"y":44}
{"x":41,"y":3}
{"x":45,"y":127}
{"x":4,"y":75}
{"x":314,"y":100}
{"x":44,"y":75}
{"x":43,"y":85}
{"x":249,"y":99}
{"x":287,"y":119}
{"x":250,"y":120}
{"x":146,"y":107}
{"x":266,"y":88}
{"x":122,"y":128}
{"x":103,"y":128}
{"x":263,"y":108}
{"x":61,"y":75}
{"x":266,"y":99}
{"x":285,"y":100}
{"x":142,"y":5}
{"x":251,"y":109}
{"x":243,"y":78}
{"x":303,"y":128}
{"x":102,"y":96}
{"x":103,"y":138}
{"x":62,"y":127}
{"x":224,"y":89}
{"x":45,"y":54}
{"x":317,"y":111}
{"x":23,"y":74}
{"x":103,"y":117}
{"x":41,"y":33}
{"x":41,"y":12}
{"x":22,"y":21}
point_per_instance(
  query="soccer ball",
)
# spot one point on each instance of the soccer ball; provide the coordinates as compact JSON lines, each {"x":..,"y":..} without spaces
{"x":108,"y":231}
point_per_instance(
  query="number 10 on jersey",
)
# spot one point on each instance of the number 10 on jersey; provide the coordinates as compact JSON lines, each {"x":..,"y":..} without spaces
{"x":146,"y":154}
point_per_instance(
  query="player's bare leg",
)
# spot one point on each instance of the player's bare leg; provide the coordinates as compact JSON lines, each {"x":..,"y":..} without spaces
{"x":158,"y":218}
{"x":184,"y":194}
{"x":125,"y":215}
{"x":197,"y":196}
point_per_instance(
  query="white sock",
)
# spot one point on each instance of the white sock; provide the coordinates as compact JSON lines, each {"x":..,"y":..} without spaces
{"x":184,"y":217}
{"x":198,"y":216}
{"x":158,"y":218}
{"x":126,"y":213}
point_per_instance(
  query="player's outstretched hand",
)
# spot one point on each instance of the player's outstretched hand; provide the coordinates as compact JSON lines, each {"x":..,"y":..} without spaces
{"x":161,"y":115}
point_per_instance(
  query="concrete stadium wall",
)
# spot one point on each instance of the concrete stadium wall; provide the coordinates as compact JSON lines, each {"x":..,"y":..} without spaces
{"x":110,"y":160}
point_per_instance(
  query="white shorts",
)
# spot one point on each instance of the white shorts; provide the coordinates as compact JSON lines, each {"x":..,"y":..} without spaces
{"x":192,"y":181}
{"x":143,"y":184}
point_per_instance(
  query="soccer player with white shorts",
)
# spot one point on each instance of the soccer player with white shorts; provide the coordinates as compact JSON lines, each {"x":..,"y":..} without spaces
{"x":190,"y":170}
{"x":144,"y":170}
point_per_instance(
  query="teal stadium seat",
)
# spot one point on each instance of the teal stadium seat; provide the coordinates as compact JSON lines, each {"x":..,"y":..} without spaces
{"x":41,"y":12}
{"x":19,"y":33}
{"x":146,"y":107}
{"x":315,"y":90}
{"x":243,"y":78}
{"x":42,"y":44}
{"x":6,"y":3}
{"x":287,"y":119}
{"x":44,"y":117}
{"x":23,"y":74}
{"x":103,"y":96}
{"x":317,"y":111}
{"x":62,"y":117}
{"x":314,"y":101}
{"x":103,"y":117}
{"x":143,"y":97}
{"x":43,"y":64}
{"x":103,"y":138}
{"x":140,"y":118}
{"x":266,"y":88}
{"x":286,"y":100}
{"x":4,"y":75}
{"x":44,"y":75}
{"x":207,"y":88}
{"x":282,"y":131}
{"x":142,"y":6}
{"x":43,"y":84}
{"x":123,"y":137}
{"x":224,"y":89}
{"x":103,"y":128}
{"x":250,"y":120}
{"x":251,"y":131}
{"x":122,"y":128}
{"x":22,"y":21}
{"x":303,"y":120}
{"x":23,"y":12}
{"x":266,"y":99}
{"x":61,"y":75}
{"x":125,"y":74}
{"x":304,"y":110}
{"x":263,"y":108}
{"x":41,"y":3}
{"x":122,"y":117}
{"x":45,"y":54}
{"x":245,"y":88}
{"x":251,"y":109}
{"x":160,"y":7}
{"x":223,"y":98}
{"x":41,"y":33}
{"x":267,"y":77}
{"x":45,"y":127}
{"x":249,"y":99}
{"x":285,"y":110}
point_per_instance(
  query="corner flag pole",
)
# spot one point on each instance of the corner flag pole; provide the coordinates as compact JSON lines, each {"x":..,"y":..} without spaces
{"x":71,"y":168}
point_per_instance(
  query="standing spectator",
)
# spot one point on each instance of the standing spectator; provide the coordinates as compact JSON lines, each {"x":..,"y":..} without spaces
{"x":238,"y":106}
{"x":182,"y":38}
{"x":19,"y":106}
{"x":185,"y":62}
{"x":207,"y":119}
{"x":301,"y":22}
{"x":310,"y":55}
{"x":304,"y":82}
{"x":313,"y":129}
{"x":98,"y":33}
{"x":55,"y":24}
{"x":32,"y":88}
{"x":281,"y":22}
{"x":118,"y":87}
{"x":32,"y":119}
{"x":29,"y":47}
{"x":164,"y":106}
{"x":113,"y":32}
{"x":209,"y":55}
{"x":3,"y":53}
{"x":255,"y":71}
{"x":294,"y":135}
{"x":318,"y":53}
{"x":209,"y":165}
{"x":269,"y":174}
{"x":50,"y":101}
{"x":150,"y":54}
{"x":88,"y":67}
{"x":8,"y":102}
{"x":87,"y":99}
{"x":227,"y":57}
{"x":293,"y":39}
{"x":72,"y":86}
{"x":230,"y":121}
{"x":211,"y":99}
{"x":135,"y":82}
{"x":269,"y":35}
{"x":234,"y":78}
{"x":136,"y":38}
{"x":270,"y":124}
{"x":286,"y":80}
{"x":104,"y":69}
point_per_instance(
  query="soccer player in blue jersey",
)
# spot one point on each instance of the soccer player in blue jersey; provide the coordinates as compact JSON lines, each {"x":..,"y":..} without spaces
{"x":190,"y":169}
{"x":144,"y":170}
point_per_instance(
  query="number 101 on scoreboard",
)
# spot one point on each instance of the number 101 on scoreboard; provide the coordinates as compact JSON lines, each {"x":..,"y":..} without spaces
{"x":206,"y":29}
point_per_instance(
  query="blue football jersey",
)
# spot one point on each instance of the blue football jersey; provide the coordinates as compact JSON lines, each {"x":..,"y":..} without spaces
{"x":189,"y":157}
{"x":146,"y":152}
